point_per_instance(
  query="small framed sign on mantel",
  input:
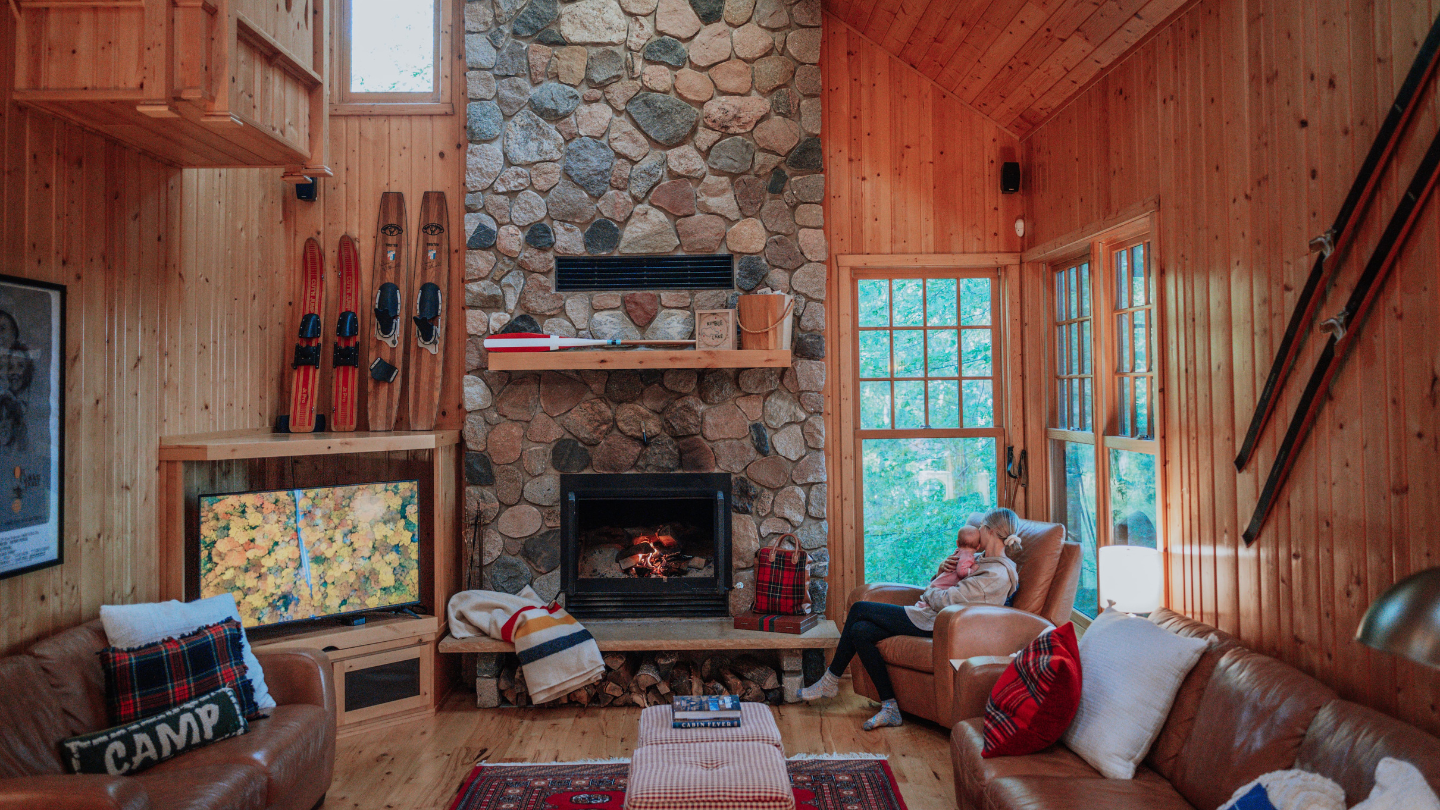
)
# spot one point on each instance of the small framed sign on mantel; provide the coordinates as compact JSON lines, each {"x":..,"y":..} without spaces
{"x":714,"y":329}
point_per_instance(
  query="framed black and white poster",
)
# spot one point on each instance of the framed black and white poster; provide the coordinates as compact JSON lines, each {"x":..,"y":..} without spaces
{"x":32,"y":424}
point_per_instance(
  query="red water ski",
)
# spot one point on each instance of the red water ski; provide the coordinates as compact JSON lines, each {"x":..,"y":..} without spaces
{"x":305,"y":383}
{"x":344,"y":411}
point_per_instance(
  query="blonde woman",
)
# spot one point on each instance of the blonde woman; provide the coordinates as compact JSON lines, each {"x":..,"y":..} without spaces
{"x":993,"y":581}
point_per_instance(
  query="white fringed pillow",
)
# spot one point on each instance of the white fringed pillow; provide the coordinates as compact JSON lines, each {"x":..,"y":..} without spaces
{"x":1288,"y":790}
{"x":1399,"y":786}
{"x":1132,"y":670}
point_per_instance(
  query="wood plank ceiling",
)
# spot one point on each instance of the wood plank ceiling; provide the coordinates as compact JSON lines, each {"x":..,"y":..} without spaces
{"x":1016,"y":61}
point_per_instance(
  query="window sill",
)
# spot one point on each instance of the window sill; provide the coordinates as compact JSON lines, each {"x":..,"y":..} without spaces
{"x":393,"y":108}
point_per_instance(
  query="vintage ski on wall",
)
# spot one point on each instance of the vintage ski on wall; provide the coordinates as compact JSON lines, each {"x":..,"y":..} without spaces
{"x":391,"y":279}
{"x":345,"y":363}
{"x":305,"y":365}
{"x":431,"y":280}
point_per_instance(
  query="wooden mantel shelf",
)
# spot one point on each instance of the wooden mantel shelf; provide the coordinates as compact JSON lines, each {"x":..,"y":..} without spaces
{"x":238,"y":444}
{"x":621,"y":635}
{"x":630,"y":358}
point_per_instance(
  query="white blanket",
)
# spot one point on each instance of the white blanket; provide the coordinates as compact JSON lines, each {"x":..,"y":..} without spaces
{"x":556,"y":652}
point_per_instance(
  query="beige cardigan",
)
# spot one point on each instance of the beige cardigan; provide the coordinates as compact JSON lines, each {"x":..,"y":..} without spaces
{"x":991,"y":583}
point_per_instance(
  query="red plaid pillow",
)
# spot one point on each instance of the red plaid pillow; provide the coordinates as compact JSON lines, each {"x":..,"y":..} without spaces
{"x":1036,"y":697}
{"x":147,"y":680}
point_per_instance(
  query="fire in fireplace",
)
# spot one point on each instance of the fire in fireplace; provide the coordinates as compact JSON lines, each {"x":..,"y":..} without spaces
{"x":650,"y":545}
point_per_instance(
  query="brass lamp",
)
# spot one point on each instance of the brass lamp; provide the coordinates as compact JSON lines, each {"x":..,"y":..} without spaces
{"x":1405,"y":620}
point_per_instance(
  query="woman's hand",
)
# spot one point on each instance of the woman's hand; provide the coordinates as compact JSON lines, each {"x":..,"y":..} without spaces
{"x":950,"y":563}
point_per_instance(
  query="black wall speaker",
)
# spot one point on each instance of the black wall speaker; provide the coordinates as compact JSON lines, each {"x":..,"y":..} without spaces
{"x":1009,"y":177}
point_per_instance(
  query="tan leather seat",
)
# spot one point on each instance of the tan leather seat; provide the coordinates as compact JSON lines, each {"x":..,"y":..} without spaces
{"x":925,"y":683}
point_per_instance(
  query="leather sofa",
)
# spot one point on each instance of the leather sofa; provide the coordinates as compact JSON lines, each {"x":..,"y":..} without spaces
{"x":1238,"y":715}
{"x":925,"y":682}
{"x":57,"y":690}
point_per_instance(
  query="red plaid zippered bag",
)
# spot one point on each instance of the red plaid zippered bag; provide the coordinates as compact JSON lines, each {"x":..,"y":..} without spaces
{"x":782,"y":579}
{"x":147,"y":680}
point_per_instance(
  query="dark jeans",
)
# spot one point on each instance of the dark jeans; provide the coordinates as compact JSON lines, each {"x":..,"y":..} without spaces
{"x":867,"y":625}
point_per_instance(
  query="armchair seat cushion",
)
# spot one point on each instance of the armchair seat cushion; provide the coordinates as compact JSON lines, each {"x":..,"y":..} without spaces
{"x":196,"y":786}
{"x":911,"y":652}
{"x":1034,"y":792}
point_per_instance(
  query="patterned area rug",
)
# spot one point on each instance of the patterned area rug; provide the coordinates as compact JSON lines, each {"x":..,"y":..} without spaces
{"x":820,"y":784}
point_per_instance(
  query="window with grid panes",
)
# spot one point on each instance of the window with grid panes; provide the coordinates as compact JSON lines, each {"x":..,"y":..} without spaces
{"x":1104,"y":482}
{"x":926,"y":416}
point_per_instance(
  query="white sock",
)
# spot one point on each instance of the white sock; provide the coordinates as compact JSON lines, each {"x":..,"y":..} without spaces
{"x":827,"y":687}
{"x":889,"y":715}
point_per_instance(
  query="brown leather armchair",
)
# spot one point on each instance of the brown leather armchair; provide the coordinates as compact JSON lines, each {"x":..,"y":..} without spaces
{"x":983,"y":636}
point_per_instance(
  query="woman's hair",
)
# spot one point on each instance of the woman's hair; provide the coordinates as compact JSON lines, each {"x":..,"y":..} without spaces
{"x":1002,"y":521}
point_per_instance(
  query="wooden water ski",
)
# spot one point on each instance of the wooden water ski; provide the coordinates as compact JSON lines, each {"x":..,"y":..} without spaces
{"x":345,"y":364}
{"x":305,"y":378}
{"x":391,"y":279}
{"x":431,"y":290}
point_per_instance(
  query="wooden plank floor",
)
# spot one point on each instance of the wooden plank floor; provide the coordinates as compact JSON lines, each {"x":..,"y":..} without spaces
{"x":421,"y":764}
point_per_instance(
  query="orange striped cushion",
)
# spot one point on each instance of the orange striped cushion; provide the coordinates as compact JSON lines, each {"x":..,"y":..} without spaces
{"x":709,"y":776}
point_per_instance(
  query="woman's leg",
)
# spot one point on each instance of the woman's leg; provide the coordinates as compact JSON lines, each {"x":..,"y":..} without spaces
{"x":867,"y":624}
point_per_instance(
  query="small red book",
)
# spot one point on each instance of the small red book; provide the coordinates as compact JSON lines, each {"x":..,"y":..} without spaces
{"x":776,"y":622}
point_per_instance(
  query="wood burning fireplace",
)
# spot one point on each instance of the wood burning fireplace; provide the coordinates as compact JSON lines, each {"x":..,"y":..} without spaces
{"x":645,"y":545}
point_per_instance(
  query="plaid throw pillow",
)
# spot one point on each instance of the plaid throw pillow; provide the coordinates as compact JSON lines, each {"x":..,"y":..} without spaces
{"x":147,"y":680}
{"x":1036,"y":697}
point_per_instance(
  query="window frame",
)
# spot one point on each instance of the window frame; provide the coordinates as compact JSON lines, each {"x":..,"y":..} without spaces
{"x":1103,"y":437}
{"x":345,"y":101}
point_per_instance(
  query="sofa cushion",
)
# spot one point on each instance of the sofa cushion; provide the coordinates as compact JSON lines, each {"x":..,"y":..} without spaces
{"x":194,"y":786}
{"x":1036,"y":696}
{"x":911,"y":652}
{"x":1042,"y":792}
{"x":1346,"y":742}
{"x":132,"y":747}
{"x":71,"y":662}
{"x":1036,"y":561}
{"x":1165,"y":752}
{"x":31,"y":720}
{"x":973,"y":772}
{"x":149,"y":679}
{"x":1255,"y":713}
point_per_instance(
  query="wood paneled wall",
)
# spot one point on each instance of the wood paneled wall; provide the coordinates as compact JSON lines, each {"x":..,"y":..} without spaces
{"x":1248,"y":119}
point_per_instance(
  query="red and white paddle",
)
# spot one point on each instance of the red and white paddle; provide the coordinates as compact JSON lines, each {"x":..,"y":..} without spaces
{"x":536,"y":342}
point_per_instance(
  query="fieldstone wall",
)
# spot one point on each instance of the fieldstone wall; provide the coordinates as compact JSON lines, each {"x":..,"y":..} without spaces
{"x":613,"y":127}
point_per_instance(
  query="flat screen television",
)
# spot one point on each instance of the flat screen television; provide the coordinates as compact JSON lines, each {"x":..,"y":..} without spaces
{"x":296,"y":554}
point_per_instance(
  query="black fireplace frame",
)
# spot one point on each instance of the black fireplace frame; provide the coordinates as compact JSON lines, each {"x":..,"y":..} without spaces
{"x":676,"y":597}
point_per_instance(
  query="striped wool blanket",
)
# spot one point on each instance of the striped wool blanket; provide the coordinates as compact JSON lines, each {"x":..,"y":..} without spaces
{"x":557,"y":653}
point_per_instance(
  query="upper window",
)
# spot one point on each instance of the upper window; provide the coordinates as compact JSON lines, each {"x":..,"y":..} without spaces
{"x":390,"y":52}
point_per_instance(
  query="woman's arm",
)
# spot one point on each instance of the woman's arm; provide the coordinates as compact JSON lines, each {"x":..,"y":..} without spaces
{"x":983,"y":587}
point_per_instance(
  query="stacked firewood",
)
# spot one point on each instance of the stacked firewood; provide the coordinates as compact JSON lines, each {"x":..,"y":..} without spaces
{"x":652,"y":679}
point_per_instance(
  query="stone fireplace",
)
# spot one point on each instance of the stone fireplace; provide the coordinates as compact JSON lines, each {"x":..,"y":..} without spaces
{"x":645,"y":546}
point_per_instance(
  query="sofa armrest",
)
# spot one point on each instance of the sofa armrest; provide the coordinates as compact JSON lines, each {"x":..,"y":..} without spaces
{"x":298,"y":676}
{"x":72,"y":792}
{"x":891,"y":593}
{"x":965,"y":631}
{"x":974,"y":682}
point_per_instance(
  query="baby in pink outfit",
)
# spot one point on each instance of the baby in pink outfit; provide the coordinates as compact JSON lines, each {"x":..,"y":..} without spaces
{"x":967,"y":542}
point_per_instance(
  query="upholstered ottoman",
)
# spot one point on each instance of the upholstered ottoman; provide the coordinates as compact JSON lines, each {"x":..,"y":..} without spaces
{"x":757,"y":725}
{"x":709,"y":776}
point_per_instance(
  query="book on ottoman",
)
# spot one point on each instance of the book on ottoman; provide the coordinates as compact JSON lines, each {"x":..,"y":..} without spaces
{"x":776,"y":622}
{"x":706,"y":711}
{"x":757,"y":724}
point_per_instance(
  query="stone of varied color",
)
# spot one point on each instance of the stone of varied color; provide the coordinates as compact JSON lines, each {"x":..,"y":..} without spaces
{"x":559,"y":393}
{"x":478,"y":264}
{"x":675,"y":196}
{"x":603,"y":236}
{"x":810,"y":118}
{"x":813,"y":245}
{"x":507,"y":574}
{"x":778,"y":218}
{"x":717,"y":385}
{"x":672,"y":324}
{"x":709,"y":11}
{"x":638,"y":8}
{"x":779,"y":280}
{"x":807,"y":156}
{"x":781,"y":251}
{"x":810,"y":281}
{"x":789,"y":504}
{"x":612,"y":324}
{"x":518,"y":402}
{"x":682,"y":418}
{"x":590,"y":421}
{"x":696,"y":455}
{"x":778,"y":135}
{"x":593,"y":120}
{"x":619,"y":94}
{"x":512,"y":94}
{"x":570,"y":64}
{"x":657,"y":78}
{"x":593,"y":22}
{"x":783,"y":102}
{"x":809,"y":374}
{"x":771,"y":14}
{"x":528,"y":139}
{"x":537,"y":15}
{"x":553,"y":101}
{"x":734,"y":155}
{"x":716,"y":195}
{"x":476,"y":394}
{"x":809,"y":189}
{"x":605,"y":300}
{"x":806,"y":12}
{"x":661,"y":454}
{"x":765,"y":162}
{"x":770,"y":471}
{"x":625,"y":139}
{"x":665,"y":119}
{"x":479,"y":53}
{"x":772,"y":72}
{"x":746,"y":236}
{"x":540,"y":236}
{"x":711,"y":299}
{"x":512,"y":60}
{"x":514,"y":178}
{"x":737,"y":12}
{"x":505,"y":11}
{"x":819,"y":504}
{"x":773,"y":526}
{"x":810,"y":215}
{"x":789,"y":442}
{"x":474,"y":201}
{"x":685,"y":161}
{"x":577,"y":309}
{"x":569,"y":456}
{"x":668,"y":50}
{"x":480,"y":84}
{"x":633,"y":420}
{"x":733,"y":455}
{"x":648,"y":231}
{"x":507,"y":485}
{"x":479,"y":17}
{"x":677,"y":18}
{"x":781,"y":409}
{"x":680,"y":380}
{"x":606,"y":65}
{"x":749,"y":271}
{"x":569,"y":203}
{"x":711,"y":46}
{"x":759,"y":380}
{"x":521,"y":323}
{"x":537,"y":261}
{"x":538,"y":298}
{"x":539,"y":61}
{"x":646,"y":174}
{"x":810,"y":470}
{"x":703,"y":233}
{"x":552,"y":38}
{"x":641,"y":307}
{"x":483,"y":121}
{"x":544,"y":176}
{"x":616,"y":205}
{"x":810,"y":345}
{"x":588,"y":162}
{"x":749,"y":194}
{"x":483,"y":236}
{"x":543,"y":550}
{"x":498,"y":207}
{"x":693,"y":85}
{"x":498,"y":320}
{"x":734,"y":114}
{"x":705,"y":138}
{"x":813,"y":319}
{"x":732,"y":76}
{"x":751,"y":42}
{"x":484,"y":295}
{"x":804,"y":45}
{"x":675,"y":298}
{"x":507,"y":241}
{"x":544,"y":429}
{"x":807,"y":80}
{"x":527,"y":208}
{"x":616,"y":454}
{"x":724,"y":421}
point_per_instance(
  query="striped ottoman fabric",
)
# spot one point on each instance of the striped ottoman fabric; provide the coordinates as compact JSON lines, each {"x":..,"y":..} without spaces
{"x":757,"y":725}
{"x":709,"y":776}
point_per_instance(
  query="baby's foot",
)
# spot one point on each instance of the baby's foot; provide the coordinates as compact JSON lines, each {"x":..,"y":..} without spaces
{"x":889,"y":715}
{"x":827,"y":687}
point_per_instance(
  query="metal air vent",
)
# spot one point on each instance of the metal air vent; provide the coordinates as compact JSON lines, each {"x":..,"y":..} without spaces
{"x":700,"y":272}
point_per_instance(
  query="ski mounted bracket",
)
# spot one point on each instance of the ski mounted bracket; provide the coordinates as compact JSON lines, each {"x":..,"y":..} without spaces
{"x":1324,"y":244}
{"x":310,"y":326}
{"x":348,"y":326}
{"x":427,"y":316}
{"x":1336,"y":326}
{"x":306,"y":356}
{"x":383,"y":371}
{"x":387,"y":314}
{"x":346,"y":356}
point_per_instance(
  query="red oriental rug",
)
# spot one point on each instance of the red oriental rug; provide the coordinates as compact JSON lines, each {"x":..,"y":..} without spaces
{"x":820,"y":784}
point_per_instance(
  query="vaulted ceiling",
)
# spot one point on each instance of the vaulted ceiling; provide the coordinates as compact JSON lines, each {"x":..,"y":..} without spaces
{"x":1016,"y":61}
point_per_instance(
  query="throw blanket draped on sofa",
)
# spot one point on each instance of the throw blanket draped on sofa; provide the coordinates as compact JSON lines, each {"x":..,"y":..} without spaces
{"x":556,"y":652}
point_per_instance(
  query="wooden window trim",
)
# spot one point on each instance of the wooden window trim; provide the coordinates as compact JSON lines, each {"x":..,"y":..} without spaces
{"x":435,"y":102}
